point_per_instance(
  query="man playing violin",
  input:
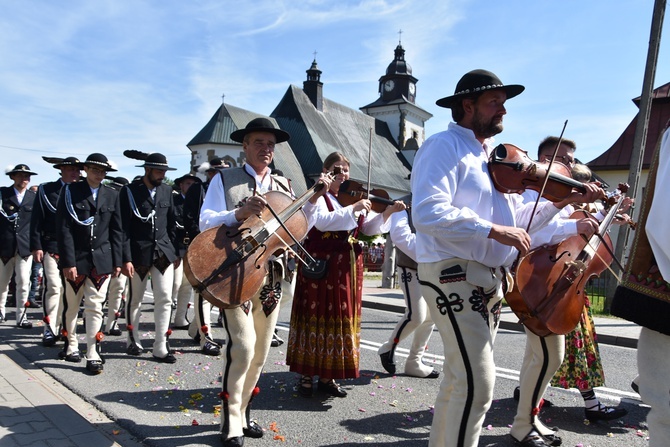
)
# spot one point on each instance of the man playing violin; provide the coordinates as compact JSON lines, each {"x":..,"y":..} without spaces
{"x":468,"y":235}
{"x":234,"y":195}
{"x":543,"y":355}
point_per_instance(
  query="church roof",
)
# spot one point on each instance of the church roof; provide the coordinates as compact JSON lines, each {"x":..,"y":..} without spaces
{"x":225,"y":121}
{"x":228,"y":119}
{"x":316,"y":134}
{"x":618,"y":156}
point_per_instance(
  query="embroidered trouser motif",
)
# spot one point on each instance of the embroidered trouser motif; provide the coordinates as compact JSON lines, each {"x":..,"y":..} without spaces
{"x":467,"y":318}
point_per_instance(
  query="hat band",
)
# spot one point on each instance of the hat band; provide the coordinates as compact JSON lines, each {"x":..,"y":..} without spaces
{"x":479,"y":89}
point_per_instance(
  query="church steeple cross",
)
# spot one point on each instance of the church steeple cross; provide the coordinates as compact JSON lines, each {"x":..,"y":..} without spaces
{"x":399,"y":36}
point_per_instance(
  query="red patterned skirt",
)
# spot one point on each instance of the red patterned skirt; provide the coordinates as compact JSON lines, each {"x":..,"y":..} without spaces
{"x":325,"y":331}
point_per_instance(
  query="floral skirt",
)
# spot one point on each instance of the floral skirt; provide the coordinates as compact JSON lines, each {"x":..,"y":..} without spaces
{"x":581,"y":368}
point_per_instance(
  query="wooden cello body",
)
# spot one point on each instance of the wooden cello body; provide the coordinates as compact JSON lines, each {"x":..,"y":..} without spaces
{"x":551,"y":281}
{"x":228,"y":266}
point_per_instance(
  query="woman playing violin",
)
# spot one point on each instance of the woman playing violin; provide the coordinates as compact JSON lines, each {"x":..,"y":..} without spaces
{"x":324,"y":339}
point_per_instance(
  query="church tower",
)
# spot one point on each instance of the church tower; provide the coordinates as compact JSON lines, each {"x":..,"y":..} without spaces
{"x":396,"y":105}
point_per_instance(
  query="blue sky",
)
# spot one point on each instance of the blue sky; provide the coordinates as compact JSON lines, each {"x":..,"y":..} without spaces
{"x":78,"y":77}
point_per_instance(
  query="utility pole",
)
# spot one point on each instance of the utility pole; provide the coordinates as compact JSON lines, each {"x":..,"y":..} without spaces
{"x":637,"y":155}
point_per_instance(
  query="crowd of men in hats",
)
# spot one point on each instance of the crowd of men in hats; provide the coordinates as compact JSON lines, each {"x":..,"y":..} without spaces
{"x":88,"y":234}
{"x":99,"y":239}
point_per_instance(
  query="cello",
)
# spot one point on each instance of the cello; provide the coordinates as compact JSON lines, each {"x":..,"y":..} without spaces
{"x":227,"y":266}
{"x":552,"y":279}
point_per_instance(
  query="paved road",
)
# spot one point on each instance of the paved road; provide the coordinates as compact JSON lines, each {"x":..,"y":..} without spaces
{"x":175,"y":405}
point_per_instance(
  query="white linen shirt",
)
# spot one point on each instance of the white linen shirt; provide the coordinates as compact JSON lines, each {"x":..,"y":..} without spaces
{"x":342,"y":218}
{"x":402,"y":235}
{"x":455,"y":203}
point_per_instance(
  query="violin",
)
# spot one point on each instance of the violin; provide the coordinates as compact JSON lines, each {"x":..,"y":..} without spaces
{"x":228,"y":266}
{"x":352,"y":191}
{"x":513,"y":171}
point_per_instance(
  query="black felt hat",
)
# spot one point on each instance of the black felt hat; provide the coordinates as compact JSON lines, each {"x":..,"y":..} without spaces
{"x":477,"y":81}
{"x":61,"y":162}
{"x":117,"y":182}
{"x":260,"y":125}
{"x":156,"y":161}
{"x":178,"y":181}
{"x":21,"y":168}
{"x":100,"y":161}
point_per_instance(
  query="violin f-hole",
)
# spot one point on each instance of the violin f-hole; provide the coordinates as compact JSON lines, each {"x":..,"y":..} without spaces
{"x":558,"y":258}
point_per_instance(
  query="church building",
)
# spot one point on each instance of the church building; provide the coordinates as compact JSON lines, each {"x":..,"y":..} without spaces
{"x":380,"y":140}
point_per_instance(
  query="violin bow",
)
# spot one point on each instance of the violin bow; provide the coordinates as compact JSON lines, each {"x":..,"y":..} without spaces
{"x":546,"y":179}
{"x":369,"y":162}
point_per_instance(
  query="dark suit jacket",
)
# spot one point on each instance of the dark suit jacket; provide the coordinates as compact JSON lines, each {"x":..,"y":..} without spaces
{"x":76,"y":246}
{"x":180,"y":231}
{"x":192,"y":204}
{"x":141,"y":240}
{"x":15,"y":236}
{"x":43,"y":234}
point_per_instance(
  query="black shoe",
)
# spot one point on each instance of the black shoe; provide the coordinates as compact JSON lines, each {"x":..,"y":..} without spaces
{"x":635,"y":387}
{"x":134,"y":350}
{"x":211,"y":348}
{"x":25,"y":324}
{"x":553,"y":440}
{"x":387,"y":362}
{"x":605,"y":413}
{"x":75,"y":357}
{"x":49,"y":339}
{"x":305,"y":386}
{"x":94,"y":366}
{"x":237,"y":441}
{"x":32,"y":303}
{"x":180,"y":328}
{"x":276,"y":340}
{"x":531,"y":440}
{"x":167,"y":359}
{"x":253,"y":430}
{"x":517,"y":393}
{"x":332,"y":388}
{"x":434,"y":374}
{"x":114,"y":332}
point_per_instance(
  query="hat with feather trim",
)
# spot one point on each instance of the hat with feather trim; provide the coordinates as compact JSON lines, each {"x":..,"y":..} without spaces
{"x":62,"y":162}
{"x":478,"y":81}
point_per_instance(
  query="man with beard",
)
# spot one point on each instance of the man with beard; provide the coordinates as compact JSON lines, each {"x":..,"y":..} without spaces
{"x":44,"y":242}
{"x":468,"y":235}
{"x":148,"y":250}
{"x":16,"y":206}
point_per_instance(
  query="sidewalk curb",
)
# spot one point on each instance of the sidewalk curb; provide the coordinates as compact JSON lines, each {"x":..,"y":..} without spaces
{"x":100,"y":427}
{"x":605,"y":339}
